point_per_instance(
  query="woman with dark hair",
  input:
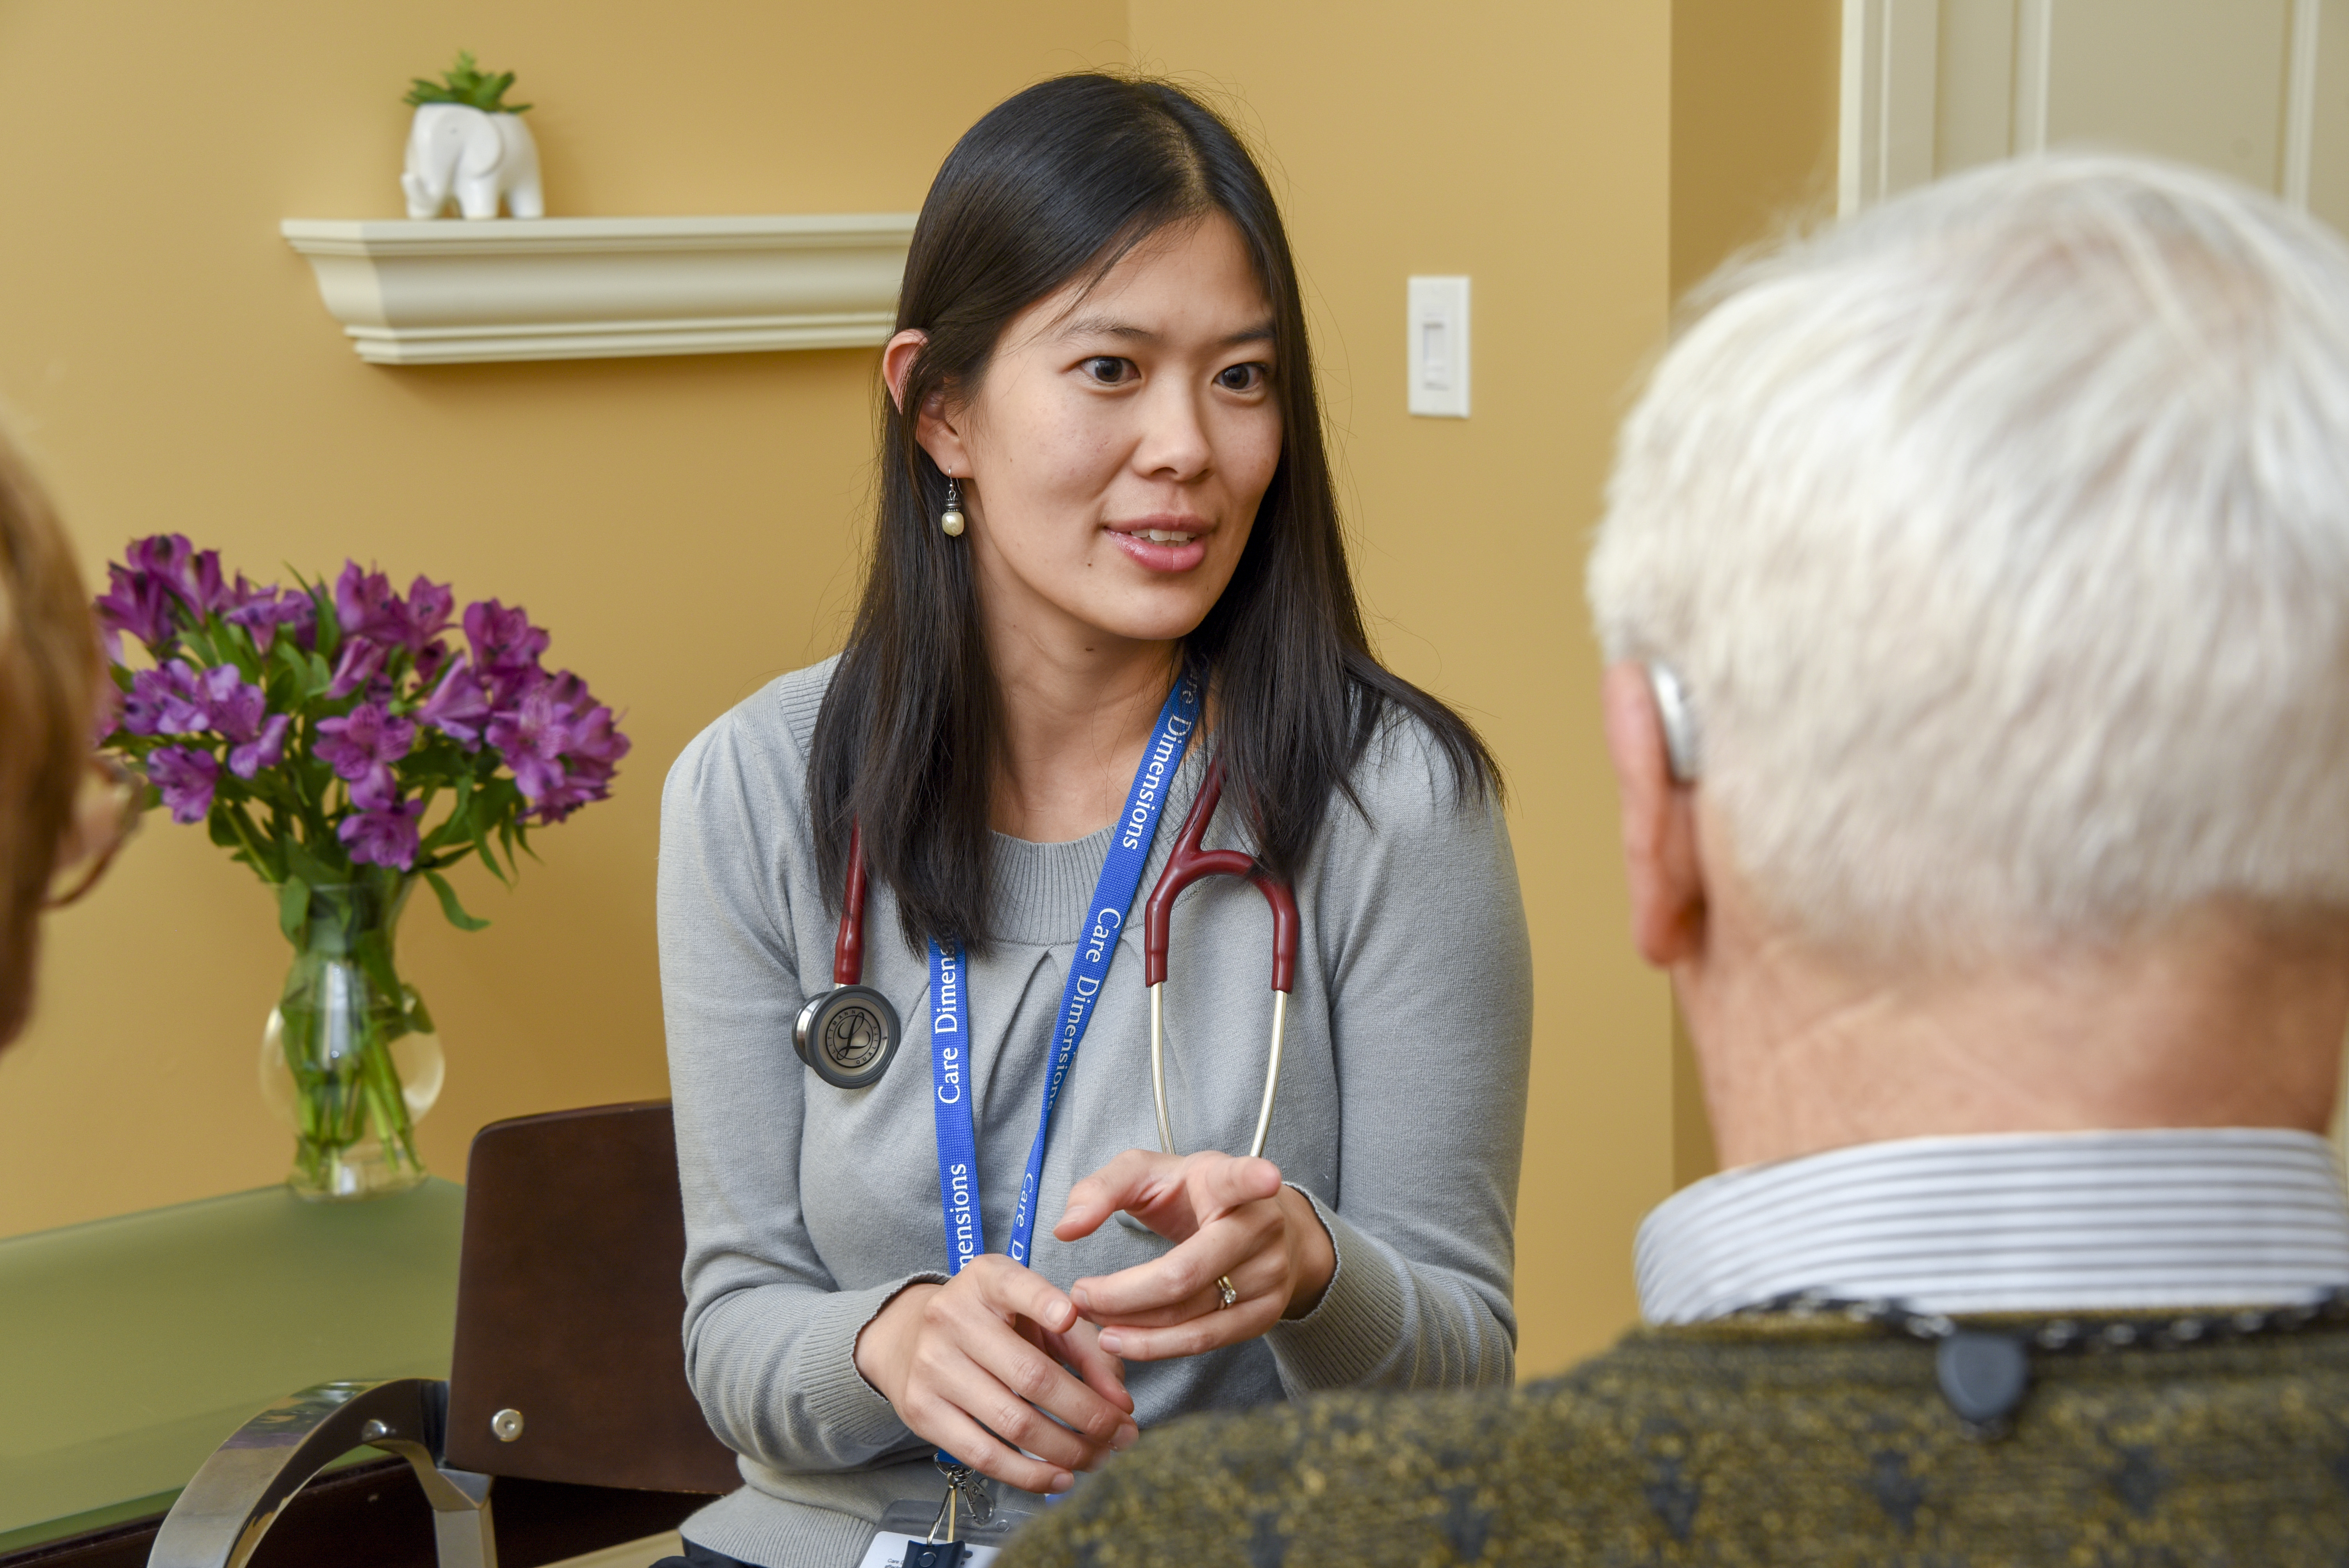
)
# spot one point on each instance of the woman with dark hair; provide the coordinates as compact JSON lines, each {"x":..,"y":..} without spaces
{"x":1107,"y":578}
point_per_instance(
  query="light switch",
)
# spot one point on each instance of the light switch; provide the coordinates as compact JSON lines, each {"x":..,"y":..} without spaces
{"x":1438,"y":308}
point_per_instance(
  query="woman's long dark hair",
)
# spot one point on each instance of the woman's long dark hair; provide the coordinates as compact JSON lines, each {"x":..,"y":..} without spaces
{"x":1062,"y":181}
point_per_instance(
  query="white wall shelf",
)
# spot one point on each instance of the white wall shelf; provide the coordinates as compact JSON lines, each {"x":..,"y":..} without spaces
{"x":452,"y":291}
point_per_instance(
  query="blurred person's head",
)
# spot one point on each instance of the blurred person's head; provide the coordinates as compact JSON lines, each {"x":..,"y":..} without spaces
{"x":50,"y":670}
{"x":1999,"y":540}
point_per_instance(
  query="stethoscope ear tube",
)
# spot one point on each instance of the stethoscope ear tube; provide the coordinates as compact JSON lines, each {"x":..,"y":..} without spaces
{"x":1186,"y":864}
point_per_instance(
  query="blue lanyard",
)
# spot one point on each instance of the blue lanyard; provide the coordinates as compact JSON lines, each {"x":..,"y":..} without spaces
{"x":950,"y":1063}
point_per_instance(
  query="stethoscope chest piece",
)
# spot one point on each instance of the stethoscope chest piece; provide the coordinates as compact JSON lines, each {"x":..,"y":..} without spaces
{"x":848,"y":1035}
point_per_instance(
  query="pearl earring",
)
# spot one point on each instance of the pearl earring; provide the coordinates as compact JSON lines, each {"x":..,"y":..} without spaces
{"x":951,"y":520}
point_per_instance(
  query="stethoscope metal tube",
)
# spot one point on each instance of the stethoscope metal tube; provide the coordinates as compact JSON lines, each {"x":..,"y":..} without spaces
{"x":1188,"y":863}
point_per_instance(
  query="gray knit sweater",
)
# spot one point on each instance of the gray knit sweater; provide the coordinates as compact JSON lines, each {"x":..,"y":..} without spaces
{"x":807,"y":1207}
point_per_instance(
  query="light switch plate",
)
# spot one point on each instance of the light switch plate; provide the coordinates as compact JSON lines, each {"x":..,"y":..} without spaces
{"x":1438,"y":356}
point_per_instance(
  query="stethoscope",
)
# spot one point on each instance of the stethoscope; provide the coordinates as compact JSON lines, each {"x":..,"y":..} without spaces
{"x":849,"y":1035}
{"x":1186,"y":865}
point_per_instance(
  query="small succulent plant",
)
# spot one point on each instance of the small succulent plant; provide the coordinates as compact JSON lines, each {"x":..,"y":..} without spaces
{"x":466,"y":83}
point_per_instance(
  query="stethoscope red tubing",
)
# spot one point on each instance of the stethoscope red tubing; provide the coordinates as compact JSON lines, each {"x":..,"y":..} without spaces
{"x":1186,"y":864}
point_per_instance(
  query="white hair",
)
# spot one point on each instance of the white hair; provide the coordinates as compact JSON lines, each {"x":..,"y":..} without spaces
{"x":2001,"y":540}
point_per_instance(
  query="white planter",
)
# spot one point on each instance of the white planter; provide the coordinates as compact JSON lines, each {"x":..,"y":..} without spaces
{"x":481,"y":159}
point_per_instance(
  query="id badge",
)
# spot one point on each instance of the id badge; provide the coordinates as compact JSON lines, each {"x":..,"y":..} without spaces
{"x":913,"y":1552}
{"x":906,"y":1523}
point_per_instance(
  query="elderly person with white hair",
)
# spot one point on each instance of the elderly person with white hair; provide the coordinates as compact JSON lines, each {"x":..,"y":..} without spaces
{"x":1976,"y":587}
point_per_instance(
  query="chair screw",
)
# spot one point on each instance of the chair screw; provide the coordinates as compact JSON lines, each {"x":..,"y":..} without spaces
{"x":507,"y":1425}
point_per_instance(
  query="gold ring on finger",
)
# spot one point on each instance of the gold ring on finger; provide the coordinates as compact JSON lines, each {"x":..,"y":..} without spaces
{"x":1225,"y":1293}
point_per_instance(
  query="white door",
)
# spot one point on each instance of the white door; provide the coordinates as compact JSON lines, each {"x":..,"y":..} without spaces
{"x":2255,"y":89}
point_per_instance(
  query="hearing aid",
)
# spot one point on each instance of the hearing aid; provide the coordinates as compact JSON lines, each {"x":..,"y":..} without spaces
{"x":1683,"y":751}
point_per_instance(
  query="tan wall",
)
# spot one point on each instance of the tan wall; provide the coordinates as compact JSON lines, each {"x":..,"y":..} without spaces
{"x":682,"y":526}
{"x":1753,"y":124}
{"x":685,"y":526}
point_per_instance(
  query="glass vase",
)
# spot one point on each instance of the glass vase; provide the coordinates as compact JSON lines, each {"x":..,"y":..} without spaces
{"x":349,"y":1057}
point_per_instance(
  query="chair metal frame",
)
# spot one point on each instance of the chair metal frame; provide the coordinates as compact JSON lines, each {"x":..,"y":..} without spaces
{"x":238,"y":1493}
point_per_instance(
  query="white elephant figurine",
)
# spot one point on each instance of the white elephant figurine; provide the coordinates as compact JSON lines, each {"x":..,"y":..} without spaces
{"x":479,"y":156}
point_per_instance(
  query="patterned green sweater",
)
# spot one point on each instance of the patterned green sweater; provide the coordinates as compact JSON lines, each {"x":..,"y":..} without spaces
{"x":1759,"y":1441}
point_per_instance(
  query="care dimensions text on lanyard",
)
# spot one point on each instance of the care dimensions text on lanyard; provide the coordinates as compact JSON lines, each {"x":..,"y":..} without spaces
{"x":950,"y":1077}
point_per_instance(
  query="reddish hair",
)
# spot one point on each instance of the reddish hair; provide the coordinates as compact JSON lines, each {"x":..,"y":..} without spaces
{"x":50,"y":667}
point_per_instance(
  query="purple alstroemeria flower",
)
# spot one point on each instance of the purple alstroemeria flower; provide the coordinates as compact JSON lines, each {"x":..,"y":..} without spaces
{"x":361,"y":747}
{"x":429,"y":663}
{"x":431,"y":608}
{"x":261,"y":611}
{"x":137,"y":602}
{"x":533,"y":735}
{"x":360,"y":663}
{"x":366,"y":606}
{"x":506,"y":649}
{"x":207,"y":593}
{"x":592,"y":736}
{"x":167,"y":557}
{"x":573,"y":792}
{"x":561,"y":745}
{"x":369,"y":609}
{"x":386,"y":837}
{"x":379,"y":790}
{"x":193,"y":576}
{"x":185,"y":778}
{"x":178,"y":700}
{"x":164,"y":701}
{"x":457,"y":707}
{"x":231,"y":705}
{"x":265,"y":750}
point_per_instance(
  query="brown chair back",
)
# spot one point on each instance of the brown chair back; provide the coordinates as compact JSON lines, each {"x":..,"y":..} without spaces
{"x":569,"y":1307}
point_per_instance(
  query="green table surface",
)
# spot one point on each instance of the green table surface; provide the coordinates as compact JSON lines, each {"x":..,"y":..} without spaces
{"x":131,"y":1346}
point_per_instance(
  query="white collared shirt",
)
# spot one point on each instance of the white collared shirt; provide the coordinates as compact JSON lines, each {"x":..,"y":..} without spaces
{"x":2077,"y":1221}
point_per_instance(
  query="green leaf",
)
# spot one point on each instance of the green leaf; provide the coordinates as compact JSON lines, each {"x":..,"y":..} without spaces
{"x":466,"y":83}
{"x":451,"y":830}
{"x":269,"y":857}
{"x":327,"y":632}
{"x":482,"y":844}
{"x":450,"y":907}
{"x":293,"y":909}
{"x":307,"y":867}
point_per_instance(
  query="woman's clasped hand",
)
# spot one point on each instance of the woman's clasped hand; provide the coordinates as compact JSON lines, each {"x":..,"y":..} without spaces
{"x":998,"y":1369}
{"x":1232,"y":1221}
{"x":1025,"y":1383}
